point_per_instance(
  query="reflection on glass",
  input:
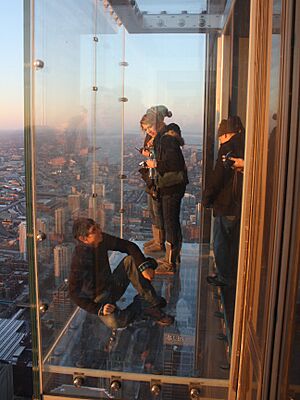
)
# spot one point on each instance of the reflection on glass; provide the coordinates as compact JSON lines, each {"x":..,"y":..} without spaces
{"x":63,"y":147}
{"x":143,"y":346}
{"x":90,"y":70}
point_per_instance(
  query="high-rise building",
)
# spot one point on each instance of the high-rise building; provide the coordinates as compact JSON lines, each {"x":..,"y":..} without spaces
{"x":42,"y":225}
{"x":102,"y":217}
{"x":22,"y":240}
{"x":61,"y":304}
{"x":60,"y":221}
{"x":62,"y":261}
{"x":198,"y":213}
{"x":93,"y":207}
{"x":100,"y":189}
{"x":74,"y":204}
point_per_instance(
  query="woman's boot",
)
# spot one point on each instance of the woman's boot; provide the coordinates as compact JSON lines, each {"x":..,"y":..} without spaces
{"x":150,"y":242}
{"x":167,"y":265}
{"x":158,"y":245}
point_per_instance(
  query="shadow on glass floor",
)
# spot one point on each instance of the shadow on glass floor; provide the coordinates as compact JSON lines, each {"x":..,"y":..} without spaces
{"x":193,"y":346}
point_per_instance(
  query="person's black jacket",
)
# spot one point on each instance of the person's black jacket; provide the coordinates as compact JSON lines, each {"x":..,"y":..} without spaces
{"x":144,"y":171}
{"x":224,"y":186}
{"x":90,"y":273}
{"x":169,"y":156}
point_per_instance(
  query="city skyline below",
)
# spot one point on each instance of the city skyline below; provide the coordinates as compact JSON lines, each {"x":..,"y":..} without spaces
{"x":63,"y":192}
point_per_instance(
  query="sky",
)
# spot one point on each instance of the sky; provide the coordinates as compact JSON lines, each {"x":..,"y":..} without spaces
{"x":163,"y":69}
{"x":11,"y":67}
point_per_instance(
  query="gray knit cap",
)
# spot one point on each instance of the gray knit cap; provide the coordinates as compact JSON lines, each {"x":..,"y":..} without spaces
{"x":160,"y":110}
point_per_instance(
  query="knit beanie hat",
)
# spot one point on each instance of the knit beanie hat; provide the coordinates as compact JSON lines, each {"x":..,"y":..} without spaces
{"x":160,"y":111}
{"x":231,"y":125}
{"x":155,"y":115}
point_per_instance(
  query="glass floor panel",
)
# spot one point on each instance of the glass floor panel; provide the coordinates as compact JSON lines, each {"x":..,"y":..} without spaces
{"x":191,"y":347}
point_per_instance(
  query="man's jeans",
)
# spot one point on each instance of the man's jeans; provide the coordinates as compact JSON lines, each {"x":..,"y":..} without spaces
{"x":226,"y":234}
{"x":125,"y":273}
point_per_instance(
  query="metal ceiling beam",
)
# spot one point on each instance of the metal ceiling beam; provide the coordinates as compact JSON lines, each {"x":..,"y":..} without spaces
{"x":182,"y":23}
{"x":136,"y":21}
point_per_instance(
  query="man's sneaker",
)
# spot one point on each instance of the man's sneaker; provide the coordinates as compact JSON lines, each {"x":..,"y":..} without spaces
{"x":215,"y":280}
{"x":83,"y":360}
{"x":81,"y":363}
{"x":159,"y":316}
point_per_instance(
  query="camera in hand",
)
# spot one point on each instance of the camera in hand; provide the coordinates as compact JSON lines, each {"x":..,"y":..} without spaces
{"x":143,"y":164}
{"x":140,"y":150}
{"x":227,"y":163}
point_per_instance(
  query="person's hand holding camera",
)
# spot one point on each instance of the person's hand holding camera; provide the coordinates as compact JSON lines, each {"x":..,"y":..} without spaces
{"x":145,"y":152}
{"x":108,"y":309}
{"x":238,"y":163}
{"x":151,"y":163}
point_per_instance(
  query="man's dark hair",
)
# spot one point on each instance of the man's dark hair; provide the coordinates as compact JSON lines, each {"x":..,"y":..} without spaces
{"x":82,"y":226}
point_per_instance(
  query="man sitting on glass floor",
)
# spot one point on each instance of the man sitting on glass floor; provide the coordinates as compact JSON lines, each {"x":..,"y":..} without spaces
{"x":96,"y":289}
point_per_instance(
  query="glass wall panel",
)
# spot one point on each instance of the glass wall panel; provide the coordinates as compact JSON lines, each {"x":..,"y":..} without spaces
{"x":240,"y":49}
{"x":62,"y":125}
{"x":232,"y":85}
{"x":77,"y":167}
{"x":93,"y":82}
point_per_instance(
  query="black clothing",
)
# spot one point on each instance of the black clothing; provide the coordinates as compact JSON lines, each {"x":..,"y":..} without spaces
{"x":91,"y":282}
{"x":169,"y":157}
{"x":224,"y":187}
{"x":170,"y":160}
{"x":224,"y":193}
{"x":171,"y":211}
{"x":150,"y":181}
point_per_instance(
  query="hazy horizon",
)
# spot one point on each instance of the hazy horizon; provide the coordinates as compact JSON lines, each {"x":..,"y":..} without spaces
{"x":172,"y":73}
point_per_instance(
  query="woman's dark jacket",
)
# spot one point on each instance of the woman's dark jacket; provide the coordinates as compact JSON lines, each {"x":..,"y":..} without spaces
{"x":224,"y":186}
{"x":169,"y":157}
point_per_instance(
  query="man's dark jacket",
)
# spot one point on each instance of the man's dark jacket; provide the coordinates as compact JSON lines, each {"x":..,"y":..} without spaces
{"x":90,"y":274}
{"x":224,"y":186}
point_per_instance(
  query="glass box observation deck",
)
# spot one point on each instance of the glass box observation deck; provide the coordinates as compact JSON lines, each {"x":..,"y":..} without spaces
{"x":92,"y":70}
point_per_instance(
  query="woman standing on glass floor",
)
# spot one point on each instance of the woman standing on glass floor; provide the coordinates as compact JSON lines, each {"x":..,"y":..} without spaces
{"x":157,"y":244}
{"x":171,"y":180}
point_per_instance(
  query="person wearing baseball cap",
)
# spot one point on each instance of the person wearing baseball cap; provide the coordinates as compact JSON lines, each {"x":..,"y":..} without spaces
{"x":223,"y":193}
